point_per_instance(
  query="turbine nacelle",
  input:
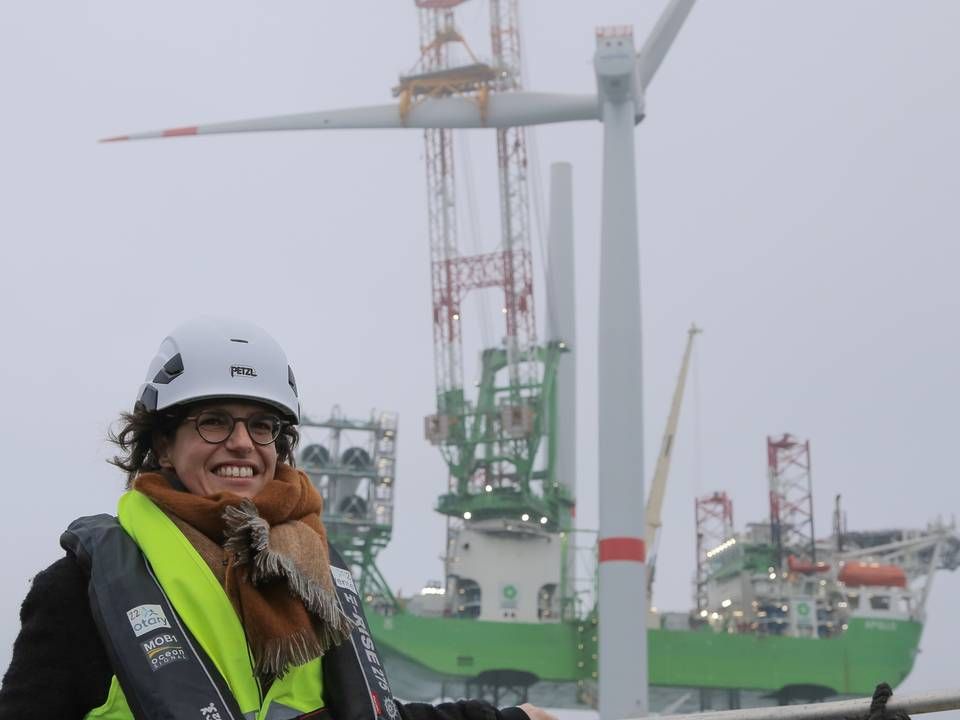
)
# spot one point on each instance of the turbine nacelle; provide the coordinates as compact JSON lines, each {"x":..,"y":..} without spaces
{"x":615,"y":63}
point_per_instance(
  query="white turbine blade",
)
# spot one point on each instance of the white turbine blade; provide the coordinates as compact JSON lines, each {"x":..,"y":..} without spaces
{"x":502,"y":110}
{"x":660,"y":40}
{"x":381,"y":116}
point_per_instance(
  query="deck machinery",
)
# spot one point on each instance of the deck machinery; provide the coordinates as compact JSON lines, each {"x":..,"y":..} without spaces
{"x":776,"y":579}
{"x":353,"y":464}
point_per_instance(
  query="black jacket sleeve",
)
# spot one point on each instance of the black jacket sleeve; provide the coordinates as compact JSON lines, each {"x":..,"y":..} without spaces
{"x":460,"y":710}
{"x":59,"y":668}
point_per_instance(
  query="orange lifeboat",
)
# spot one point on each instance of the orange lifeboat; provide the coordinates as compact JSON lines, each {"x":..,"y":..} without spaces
{"x":855,"y":574}
{"x":805,"y":567}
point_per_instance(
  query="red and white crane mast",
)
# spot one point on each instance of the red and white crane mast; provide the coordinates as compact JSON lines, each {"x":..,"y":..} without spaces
{"x":509,"y":267}
{"x":521,"y":337}
{"x":437,"y":29}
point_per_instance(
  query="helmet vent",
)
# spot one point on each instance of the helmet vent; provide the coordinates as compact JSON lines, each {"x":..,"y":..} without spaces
{"x":171,"y":369}
{"x":239,"y":340}
{"x":148,"y":399}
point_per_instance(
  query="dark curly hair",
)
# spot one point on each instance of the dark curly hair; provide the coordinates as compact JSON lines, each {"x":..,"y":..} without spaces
{"x":138,"y":431}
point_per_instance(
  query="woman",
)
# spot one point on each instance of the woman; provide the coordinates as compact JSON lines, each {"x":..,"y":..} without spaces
{"x":211,"y":594}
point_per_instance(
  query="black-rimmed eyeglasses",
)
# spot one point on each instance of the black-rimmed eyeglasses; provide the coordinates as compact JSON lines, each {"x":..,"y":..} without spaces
{"x":215,"y":426}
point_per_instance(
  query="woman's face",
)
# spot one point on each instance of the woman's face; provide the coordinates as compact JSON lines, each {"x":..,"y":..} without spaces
{"x":236,"y":465}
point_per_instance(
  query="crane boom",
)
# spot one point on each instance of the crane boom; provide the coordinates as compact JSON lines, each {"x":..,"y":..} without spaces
{"x":659,"y":485}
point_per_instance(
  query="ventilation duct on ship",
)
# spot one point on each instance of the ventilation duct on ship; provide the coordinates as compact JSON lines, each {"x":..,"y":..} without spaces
{"x":355,"y":457}
{"x":354,"y":507}
{"x":315,"y":455}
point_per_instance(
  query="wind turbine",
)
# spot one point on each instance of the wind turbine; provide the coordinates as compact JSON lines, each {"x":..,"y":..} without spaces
{"x":623,"y":76}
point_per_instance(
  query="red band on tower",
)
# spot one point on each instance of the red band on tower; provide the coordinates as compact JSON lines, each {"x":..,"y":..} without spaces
{"x":623,"y":548}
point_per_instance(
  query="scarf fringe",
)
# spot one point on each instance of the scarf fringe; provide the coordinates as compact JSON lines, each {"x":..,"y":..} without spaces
{"x":248,"y":538}
{"x":275,"y":657}
{"x":332,"y":634}
{"x":319,"y":601}
{"x":246,"y":531}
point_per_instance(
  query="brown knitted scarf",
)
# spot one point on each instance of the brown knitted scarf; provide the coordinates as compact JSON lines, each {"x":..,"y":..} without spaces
{"x":277,"y":568}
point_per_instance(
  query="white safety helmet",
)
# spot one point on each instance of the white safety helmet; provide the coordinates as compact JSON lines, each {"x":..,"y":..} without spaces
{"x":220,"y":358}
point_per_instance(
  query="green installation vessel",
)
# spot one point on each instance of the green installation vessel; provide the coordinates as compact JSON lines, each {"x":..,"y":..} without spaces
{"x":778,"y":615}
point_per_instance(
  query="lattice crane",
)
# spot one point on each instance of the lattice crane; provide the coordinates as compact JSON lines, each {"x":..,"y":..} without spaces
{"x":487,"y":440}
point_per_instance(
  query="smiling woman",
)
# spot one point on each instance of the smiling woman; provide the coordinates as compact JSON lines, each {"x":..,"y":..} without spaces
{"x":209,"y":446}
{"x":213,"y":589}
{"x":174,"y":405}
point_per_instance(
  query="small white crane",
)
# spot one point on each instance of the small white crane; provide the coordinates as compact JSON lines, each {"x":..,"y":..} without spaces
{"x":659,"y":485}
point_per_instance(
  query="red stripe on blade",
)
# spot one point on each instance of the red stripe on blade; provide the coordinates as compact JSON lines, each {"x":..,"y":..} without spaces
{"x":623,"y":548}
{"x":118,"y":138}
{"x":176,"y":132}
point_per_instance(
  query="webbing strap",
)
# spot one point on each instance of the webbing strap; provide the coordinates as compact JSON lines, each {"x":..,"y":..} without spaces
{"x":355,"y":666}
{"x":163,"y":671}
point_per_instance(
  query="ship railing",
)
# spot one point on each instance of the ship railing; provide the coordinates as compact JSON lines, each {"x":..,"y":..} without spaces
{"x":914,"y":704}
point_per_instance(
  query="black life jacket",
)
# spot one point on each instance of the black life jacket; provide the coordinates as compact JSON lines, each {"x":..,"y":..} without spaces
{"x":355,"y":686}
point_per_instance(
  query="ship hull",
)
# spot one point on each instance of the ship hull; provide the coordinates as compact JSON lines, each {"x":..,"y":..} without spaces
{"x":428,"y":658}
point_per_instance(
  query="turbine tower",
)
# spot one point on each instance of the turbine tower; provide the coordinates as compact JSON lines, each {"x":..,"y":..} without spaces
{"x":623,"y":76}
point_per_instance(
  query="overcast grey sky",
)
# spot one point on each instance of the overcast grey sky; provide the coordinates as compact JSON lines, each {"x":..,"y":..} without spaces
{"x":797,"y":189}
